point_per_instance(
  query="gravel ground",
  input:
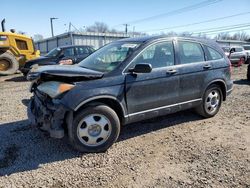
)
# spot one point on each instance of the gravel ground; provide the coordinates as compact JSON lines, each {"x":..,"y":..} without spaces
{"x":179,"y":150}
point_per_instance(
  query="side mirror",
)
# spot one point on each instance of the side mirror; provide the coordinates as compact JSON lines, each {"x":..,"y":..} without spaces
{"x":141,"y":68}
{"x":232,"y":50}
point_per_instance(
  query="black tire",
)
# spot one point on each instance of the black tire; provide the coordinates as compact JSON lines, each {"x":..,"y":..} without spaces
{"x":248,"y":61}
{"x":99,"y":110}
{"x":13,"y":64}
{"x":248,"y":72}
{"x":203,"y":109}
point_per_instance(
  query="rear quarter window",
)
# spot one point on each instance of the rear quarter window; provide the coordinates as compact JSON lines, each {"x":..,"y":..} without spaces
{"x":213,"y":54}
{"x":190,"y":52}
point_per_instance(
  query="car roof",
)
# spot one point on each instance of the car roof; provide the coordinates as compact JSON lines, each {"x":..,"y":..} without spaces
{"x":236,"y":47}
{"x":68,"y":46}
{"x":158,"y":37}
{"x":146,"y":39}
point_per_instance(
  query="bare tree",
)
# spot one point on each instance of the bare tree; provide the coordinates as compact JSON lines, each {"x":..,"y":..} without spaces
{"x":240,"y":36}
{"x":185,"y":34}
{"x":237,"y":36}
{"x":102,"y":27}
{"x":37,"y":37}
{"x":223,"y":36}
{"x":19,"y":32}
{"x":171,"y":34}
{"x":98,"y":27}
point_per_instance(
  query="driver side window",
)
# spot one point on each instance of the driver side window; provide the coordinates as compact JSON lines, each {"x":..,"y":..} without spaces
{"x":158,"y":55}
{"x":68,"y":52}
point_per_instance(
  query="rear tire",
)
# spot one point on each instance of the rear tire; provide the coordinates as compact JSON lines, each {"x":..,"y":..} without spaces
{"x":94,"y":129}
{"x":248,"y":72}
{"x":8,"y":64}
{"x":211,"y":102}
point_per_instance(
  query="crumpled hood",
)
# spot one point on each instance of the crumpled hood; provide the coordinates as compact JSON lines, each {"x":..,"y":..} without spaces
{"x":62,"y":71}
{"x":40,"y":60}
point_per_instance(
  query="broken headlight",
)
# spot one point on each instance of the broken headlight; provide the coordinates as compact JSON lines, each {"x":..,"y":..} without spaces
{"x":54,"y":88}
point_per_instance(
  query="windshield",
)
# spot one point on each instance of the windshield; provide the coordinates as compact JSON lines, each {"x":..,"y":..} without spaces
{"x":246,"y":47}
{"x":109,"y":57}
{"x":53,"y":53}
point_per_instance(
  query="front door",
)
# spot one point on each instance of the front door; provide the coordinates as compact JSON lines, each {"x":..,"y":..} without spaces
{"x":150,"y":94}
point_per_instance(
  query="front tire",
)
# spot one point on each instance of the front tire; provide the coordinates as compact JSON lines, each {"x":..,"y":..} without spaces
{"x":94,"y":129}
{"x":211,"y":102}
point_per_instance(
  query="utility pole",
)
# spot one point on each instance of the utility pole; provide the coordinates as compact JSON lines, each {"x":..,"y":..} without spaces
{"x":126,"y":28}
{"x":51,"y":25}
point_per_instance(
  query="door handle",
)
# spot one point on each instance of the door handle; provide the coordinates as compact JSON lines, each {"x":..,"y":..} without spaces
{"x":207,"y":66}
{"x":172,"y":71}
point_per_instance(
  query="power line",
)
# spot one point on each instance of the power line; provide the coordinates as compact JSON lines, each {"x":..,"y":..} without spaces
{"x":201,"y":22}
{"x":174,"y":12}
{"x":230,"y":31}
{"x":223,"y":28}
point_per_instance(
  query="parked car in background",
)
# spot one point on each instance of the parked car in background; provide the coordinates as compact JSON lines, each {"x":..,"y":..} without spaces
{"x":226,"y":50}
{"x":247,"y":50}
{"x":238,"y":56}
{"x":62,"y":55}
{"x":128,"y":81}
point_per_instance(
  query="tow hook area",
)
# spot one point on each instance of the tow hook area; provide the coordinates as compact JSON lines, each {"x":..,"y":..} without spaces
{"x":49,"y":118}
{"x":56,"y":130}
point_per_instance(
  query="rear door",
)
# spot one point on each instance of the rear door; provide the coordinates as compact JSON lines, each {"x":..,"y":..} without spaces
{"x":193,"y":70}
{"x":148,"y":94}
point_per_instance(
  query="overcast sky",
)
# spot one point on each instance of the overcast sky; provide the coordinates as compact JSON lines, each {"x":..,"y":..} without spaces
{"x":32,"y":16}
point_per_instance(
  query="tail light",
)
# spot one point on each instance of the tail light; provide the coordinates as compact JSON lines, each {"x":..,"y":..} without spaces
{"x":230,"y":65}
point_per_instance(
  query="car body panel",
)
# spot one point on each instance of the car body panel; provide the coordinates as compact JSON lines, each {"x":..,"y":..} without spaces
{"x":141,"y":95}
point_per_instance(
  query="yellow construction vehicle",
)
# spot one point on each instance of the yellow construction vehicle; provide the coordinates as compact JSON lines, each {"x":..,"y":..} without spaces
{"x":15,"y":50}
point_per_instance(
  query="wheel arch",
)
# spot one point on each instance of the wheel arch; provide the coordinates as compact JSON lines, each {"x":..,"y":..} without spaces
{"x":221,"y":84}
{"x":110,"y":101}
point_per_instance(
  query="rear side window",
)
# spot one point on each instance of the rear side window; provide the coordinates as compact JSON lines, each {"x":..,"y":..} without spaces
{"x":82,"y":50}
{"x":190,"y":52}
{"x":246,"y":47}
{"x":68,"y":52}
{"x":21,"y":44}
{"x":213,"y":54}
{"x":91,"y":49}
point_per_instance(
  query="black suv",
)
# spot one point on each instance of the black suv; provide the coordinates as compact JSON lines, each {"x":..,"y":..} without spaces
{"x":75,"y":53}
{"x":128,"y":81}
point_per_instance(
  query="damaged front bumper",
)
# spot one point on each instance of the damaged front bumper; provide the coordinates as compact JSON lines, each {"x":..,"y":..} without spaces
{"x":49,"y":115}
